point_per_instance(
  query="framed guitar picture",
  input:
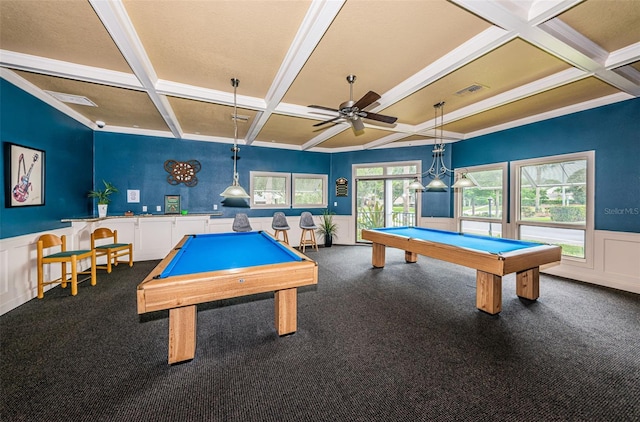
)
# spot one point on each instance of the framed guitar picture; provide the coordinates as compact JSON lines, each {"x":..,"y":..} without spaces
{"x":23,"y":176}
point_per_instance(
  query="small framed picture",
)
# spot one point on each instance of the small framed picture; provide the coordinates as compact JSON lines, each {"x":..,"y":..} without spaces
{"x":23,"y":176}
{"x":172,"y":204}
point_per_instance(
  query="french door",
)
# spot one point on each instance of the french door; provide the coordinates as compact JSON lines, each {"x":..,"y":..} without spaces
{"x":384,"y":202}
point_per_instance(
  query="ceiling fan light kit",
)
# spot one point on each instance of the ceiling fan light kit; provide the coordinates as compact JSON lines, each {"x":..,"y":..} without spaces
{"x":353,"y":111}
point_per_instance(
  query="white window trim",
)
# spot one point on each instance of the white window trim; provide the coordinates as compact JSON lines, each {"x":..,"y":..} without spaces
{"x":505,"y":196}
{"x":588,"y":260}
{"x":287,"y":194}
{"x":325,"y":190}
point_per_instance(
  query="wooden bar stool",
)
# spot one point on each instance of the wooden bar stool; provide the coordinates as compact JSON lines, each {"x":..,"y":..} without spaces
{"x":50,"y":240}
{"x":241,"y":223}
{"x":112,"y":250}
{"x":308,"y":227}
{"x":280,"y":225}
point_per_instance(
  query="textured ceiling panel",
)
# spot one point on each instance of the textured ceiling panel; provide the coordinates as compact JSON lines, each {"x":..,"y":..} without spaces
{"x":566,"y":95}
{"x":115,"y":106}
{"x":492,"y":67}
{"x":62,"y":30}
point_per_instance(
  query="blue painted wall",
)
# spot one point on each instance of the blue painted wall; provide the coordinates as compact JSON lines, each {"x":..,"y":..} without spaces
{"x":434,"y":204}
{"x":137,"y":162}
{"x":612,"y":131}
{"x":68,"y":147}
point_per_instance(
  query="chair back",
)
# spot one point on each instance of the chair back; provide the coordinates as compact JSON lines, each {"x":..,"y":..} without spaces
{"x":103,"y":233}
{"x":49,"y":240}
{"x":279,"y":221}
{"x":241,"y":223}
{"x":306,"y":221}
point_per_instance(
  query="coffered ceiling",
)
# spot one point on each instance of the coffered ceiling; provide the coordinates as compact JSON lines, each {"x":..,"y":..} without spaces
{"x":163,"y":67}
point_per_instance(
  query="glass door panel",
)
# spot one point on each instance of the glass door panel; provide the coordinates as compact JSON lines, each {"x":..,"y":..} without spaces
{"x":370,"y":205}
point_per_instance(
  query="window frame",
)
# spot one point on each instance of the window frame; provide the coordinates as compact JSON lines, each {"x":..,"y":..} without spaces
{"x":458,"y":197}
{"x":287,"y":193}
{"x":588,"y":226}
{"x":325,"y":190}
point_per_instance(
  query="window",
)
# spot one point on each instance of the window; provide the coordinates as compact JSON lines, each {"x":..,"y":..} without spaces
{"x":310,"y":190}
{"x":553,"y":201}
{"x":482,"y":209}
{"x":270,"y":190}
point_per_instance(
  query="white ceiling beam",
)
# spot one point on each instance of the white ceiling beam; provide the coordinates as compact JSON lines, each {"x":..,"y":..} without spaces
{"x":543,"y":10}
{"x":115,"y":19}
{"x":332,"y":131}
{"x":316,"y":22}
{"x":554,"y":37}
{"x":477,"y":46}
{"x":73,"y":71}
{"x":191,"y":92}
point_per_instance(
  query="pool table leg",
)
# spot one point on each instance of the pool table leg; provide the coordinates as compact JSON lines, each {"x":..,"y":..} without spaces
{"x":182,"y":333}
{"x":528,"y":283}
{"x":286,"y":304}
{"x":488,"y":292}
{"x":378,"y":255}
{"x":410,"y":257}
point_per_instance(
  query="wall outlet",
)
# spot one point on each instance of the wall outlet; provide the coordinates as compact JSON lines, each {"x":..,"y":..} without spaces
{"x":144,"y":208}
{"x":215,"y":207}
{"x":158,"y":208}
{"x":335,"y":204}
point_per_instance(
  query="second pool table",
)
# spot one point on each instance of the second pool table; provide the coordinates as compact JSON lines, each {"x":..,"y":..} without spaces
{"x":207,"y":267}
{"x":492,"y":258}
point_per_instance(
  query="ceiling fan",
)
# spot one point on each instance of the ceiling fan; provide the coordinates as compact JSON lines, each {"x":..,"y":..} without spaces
{"x":353,"y":111}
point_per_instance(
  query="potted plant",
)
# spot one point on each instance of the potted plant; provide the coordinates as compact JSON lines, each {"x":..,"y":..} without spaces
{"x":328,"y":228}
{"x":103,"y":197}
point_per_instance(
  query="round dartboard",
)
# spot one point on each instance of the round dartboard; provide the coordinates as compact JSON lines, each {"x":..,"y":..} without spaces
{"x":182,"y":172}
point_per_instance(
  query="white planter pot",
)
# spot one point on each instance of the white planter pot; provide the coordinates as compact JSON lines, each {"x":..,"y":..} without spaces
{"x":102,"y":210}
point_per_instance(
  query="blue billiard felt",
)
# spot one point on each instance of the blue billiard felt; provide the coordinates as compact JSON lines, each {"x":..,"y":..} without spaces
{"x":225,"y":251}
{"x":494,"y":245}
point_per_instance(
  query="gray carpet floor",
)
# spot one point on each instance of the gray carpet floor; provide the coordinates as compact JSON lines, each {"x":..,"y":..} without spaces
{"x":403,"y":343}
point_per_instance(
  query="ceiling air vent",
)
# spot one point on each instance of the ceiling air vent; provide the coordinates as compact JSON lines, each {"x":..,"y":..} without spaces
{"x":70,"y":98}
{"x":471,"y":89}
{"x":240,"y":118}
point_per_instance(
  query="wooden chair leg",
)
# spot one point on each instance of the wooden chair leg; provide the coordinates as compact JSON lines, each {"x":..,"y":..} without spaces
{"x":93,"y":269}
{"x":63,"y":275}
{"x":130,"y":255}
{"x":109,"y":259}
{"x":74,"y":275}
{"x":40,"y":279}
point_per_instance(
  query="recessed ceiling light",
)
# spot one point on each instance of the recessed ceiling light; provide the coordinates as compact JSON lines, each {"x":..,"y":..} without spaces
{"x":72,"y":99}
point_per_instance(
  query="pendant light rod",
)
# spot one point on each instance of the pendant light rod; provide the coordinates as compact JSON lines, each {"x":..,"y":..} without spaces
{"x":235,"y":190}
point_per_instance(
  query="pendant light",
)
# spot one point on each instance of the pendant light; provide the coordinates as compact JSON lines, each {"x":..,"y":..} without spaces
{"x":235,"y":190}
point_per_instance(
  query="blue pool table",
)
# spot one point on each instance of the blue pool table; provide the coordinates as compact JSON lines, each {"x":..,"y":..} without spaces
{"x":207,"y":267}
{"x":492,"y":258}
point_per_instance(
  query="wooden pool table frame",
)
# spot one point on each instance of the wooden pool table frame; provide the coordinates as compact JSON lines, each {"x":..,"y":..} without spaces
{"x":490,"y":267}
{"x":181,"y":294}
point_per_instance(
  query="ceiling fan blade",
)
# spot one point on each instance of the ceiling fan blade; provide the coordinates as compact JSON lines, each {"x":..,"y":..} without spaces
{"x":378,"y":117}
{"x":324,"y":108}
{"x":357,"y":125}
{"x":368,"y":99}
{"x":328,"y":121}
